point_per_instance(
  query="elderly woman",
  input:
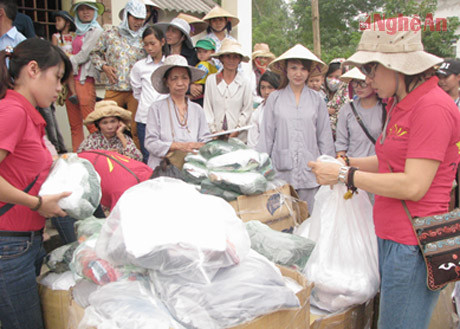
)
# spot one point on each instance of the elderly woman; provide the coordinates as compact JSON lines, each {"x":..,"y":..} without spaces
{"x":118,"y":49}
{"x":174,"y":123}
{"x":111,"y":122}
{"x":416,"y":160}
{"x":228,"y":97}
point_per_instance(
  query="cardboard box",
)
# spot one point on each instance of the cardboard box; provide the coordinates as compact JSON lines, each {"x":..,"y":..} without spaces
{"x":280,"y":209}
{"x":357,"y":317}
{"x":285,"y":319}
{"x":444,"y":314}
{"x":55,"y":305}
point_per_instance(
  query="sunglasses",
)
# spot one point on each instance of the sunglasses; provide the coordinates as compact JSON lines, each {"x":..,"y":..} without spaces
{"x":368,"y":69}
{"x":359,"y":83}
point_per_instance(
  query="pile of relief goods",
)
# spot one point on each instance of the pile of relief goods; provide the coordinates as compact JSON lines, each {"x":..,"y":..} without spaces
{"x":170,"y":257}
{"x":229,"y":169}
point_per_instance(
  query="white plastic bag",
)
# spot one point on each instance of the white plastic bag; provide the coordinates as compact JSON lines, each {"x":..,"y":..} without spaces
{"x":344,"y":263}
{"x":166,"y":225}
{"x":58,"y":281}
{"x":73,"y":174}
{"x":237,"y":294}
{"x":126,"y":305}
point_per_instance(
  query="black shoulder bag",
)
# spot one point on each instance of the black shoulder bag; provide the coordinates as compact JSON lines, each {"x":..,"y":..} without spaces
{"x":8,"y":206}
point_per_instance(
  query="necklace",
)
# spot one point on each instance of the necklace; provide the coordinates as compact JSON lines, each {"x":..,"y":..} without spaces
{"x":183,"y":122}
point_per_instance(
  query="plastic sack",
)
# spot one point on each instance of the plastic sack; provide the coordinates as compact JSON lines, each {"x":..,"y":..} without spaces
{"x":167,"y":169}
{"x":165,"y":224}
{"x":246,"y":183}
{"x":279,"y":247}
{"x":237,"y":294}
{"x":59,"y":259}
{"x":344,"y":263}
{"x":87,"y":227}
{"x":209,"y":188}
{"x":87,"y":264}
{"x":126,"y":305}
{"x":194,"y":173}
{"x":73,"y":174}
{"x":81,"y":291}
{"x":58,"y":281}
{"x":238,"y":161}
{"x":219,"y":147}
{"x":195,"y":158}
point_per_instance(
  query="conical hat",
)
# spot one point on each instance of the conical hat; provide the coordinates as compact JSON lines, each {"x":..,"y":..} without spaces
{"x":196,"y":25}
{"x":354,"y":73}
{"x":220,"y":12}
{"x":298,"y":52}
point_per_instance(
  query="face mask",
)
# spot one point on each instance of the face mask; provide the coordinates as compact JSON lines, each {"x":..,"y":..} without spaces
{"x":332,"y":83}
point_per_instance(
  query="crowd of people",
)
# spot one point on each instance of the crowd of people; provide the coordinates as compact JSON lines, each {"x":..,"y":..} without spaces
{"x":390,"y":113}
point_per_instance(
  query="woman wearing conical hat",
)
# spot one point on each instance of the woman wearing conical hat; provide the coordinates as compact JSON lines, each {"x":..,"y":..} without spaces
{"x":415,"y":164}
{"x":295,"y":128}
{"x":220,"y":23}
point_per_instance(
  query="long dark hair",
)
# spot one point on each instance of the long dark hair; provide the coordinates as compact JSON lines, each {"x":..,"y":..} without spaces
{"x":284,"y":79}
{"x":228,"y":26}
{"x":159,"y":35}
{"x":272,"y":78}
{"x":34,"y":49}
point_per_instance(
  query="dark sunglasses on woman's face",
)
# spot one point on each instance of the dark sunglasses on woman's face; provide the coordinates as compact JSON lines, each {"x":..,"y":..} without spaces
{"x":368,"y":69}
{"x":358,"y":83}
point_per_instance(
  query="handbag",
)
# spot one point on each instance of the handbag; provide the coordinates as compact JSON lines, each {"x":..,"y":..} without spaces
{"x":438,"y":237}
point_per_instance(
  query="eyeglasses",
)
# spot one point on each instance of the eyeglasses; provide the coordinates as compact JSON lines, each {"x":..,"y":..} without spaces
{"x":369,"y":69}
{"x":360,"y":83}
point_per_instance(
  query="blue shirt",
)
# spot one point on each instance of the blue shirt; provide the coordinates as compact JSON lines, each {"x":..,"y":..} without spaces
{"x":11,"y":38}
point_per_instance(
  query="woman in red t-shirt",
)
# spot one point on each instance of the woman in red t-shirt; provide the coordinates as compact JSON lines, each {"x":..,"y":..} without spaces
{"x":416,"y":160}
{"x":36,"y":71}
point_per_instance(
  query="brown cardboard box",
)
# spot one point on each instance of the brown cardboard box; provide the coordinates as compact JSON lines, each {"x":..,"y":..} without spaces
{"x":285,"y":319}
{"x":280,"y":209}
{"x":357,"y":317}
{"x":444,"y":315}
{"x":55,"y":304}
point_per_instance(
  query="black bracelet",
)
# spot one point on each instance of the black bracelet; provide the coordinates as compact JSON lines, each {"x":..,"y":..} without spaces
{"x":38,"y":205}
{"x":351,"y":178}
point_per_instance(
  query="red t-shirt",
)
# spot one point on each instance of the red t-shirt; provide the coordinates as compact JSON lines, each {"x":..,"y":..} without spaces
{"x":115,"y":179}
{"x":22,"y":129}
{"x":424,"y":125}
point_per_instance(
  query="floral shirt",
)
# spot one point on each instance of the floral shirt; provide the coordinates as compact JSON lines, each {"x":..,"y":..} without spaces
{"x":97,"y":141}
{"x":339,"y":99}
{"x":114,"y":49}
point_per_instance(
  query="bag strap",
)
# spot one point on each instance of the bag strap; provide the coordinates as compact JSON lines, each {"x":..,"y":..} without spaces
{"x":361,"y":123}
{"x":171,"y":123}
{"x":116,"y":160}
{"x":8,"y":206}
{"x":384,"y":115}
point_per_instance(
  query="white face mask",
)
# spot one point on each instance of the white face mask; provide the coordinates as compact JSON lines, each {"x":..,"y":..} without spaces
{"x":332,"y":83}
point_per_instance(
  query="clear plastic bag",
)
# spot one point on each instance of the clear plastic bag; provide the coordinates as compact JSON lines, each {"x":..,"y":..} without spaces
{"x":219,"y":147}
{"x":209,"y":188}
{"x":279,"y":247}
{"x":194,"y":173}
{"x":59,"y":259}
{"x":247,"y":183}
{"x":73,"y":174}
{"x":126,"y":305}
{"x":196,"y":158}
{"x":166,"y":225}
{"x":237,"y":294}
{"x":344,"y":263}
{"x":58,"y":281}
{"x":87,"y":227}
{"x":238,"y":161}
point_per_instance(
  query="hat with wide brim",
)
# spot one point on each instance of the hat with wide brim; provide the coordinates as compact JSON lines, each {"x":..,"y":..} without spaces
{"x":147,"y":3}
{"x":401,"y":51}
{"x":104,"y":109}
{"x":64,"y":14}
{"x":182,"y":26}
{"x":92,"y":3}
{"x":230,"y":46}
{"x":220,"y":12}
{"x":171,"y":61}
{"x":353,"y":74}
{"x":197,"y":25}
{"x":262,"y":50}
{"x":318,"y":67}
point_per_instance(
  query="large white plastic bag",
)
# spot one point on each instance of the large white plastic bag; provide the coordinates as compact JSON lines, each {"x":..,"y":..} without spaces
{"x":344,"y":263}
{"x":71,"y":173}
{"x":126,"y":305}
{"x":236,"y":161}
{"x":237,"y":294}
{"x":166,"y":225}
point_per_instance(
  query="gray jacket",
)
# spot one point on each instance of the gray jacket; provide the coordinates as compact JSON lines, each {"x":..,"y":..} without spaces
{"x":83,"y":60}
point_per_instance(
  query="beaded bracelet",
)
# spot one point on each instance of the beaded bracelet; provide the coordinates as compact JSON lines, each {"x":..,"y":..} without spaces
{"x":345,"y":158}
{"x":38,"y":205}
{"x":352,"y":189}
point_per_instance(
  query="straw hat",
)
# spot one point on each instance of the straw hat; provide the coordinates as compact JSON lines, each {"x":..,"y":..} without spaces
{"x":230,"y":46}
{"x":220,"y":12}
{"x":197,"y":25}
{"x":105,"y":109}
{"x":92,"y":3}
{"x":318,"y":67}
{"x":172,"y":61}
{"x":262,"y":50}
{"x":353,"y":74}
{"x":147,"y":3}
{"x":182,"y":26}
{"x":402,"y":51}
